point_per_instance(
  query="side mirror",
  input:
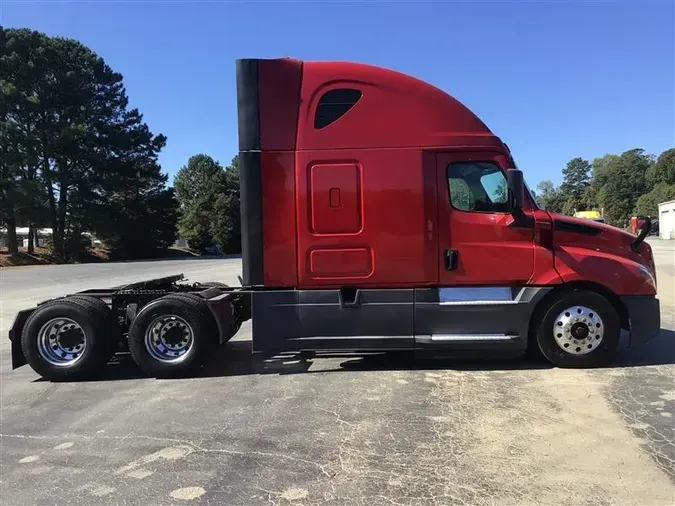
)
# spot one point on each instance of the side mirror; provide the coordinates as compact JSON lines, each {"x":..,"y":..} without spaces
{"x":516,"y":186}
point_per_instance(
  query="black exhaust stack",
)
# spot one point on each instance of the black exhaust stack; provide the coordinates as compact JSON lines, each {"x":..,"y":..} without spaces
{"x":644,"y":232}
{"x":250,"y":154}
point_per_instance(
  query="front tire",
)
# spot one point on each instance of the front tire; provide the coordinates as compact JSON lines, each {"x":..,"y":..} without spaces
{"x":171,"y":336}
{"x":578,"y":329}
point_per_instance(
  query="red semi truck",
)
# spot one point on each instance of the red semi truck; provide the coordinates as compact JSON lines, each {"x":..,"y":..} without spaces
{"x":378,"y":213}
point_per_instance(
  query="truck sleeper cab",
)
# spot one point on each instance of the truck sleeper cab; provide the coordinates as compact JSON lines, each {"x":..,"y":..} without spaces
{"x":378,"y":213}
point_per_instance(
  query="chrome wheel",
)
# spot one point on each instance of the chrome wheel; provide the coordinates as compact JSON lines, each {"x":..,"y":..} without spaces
{"x":169,"y":338}
{"x":61,"y":342}
{"x":578,"y":330}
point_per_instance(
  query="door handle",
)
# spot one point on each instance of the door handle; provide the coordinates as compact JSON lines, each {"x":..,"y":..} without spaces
{"x":451,"y":259}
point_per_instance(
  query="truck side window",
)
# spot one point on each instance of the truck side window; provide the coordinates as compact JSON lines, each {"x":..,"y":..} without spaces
{"x":477,"y":187}
{"x":333,"y":105}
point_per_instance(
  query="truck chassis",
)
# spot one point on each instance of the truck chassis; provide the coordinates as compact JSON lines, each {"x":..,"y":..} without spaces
{"x":73,"y":336}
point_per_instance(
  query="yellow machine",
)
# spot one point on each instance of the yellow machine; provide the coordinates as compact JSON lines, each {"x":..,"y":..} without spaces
{"x":590,"y":215}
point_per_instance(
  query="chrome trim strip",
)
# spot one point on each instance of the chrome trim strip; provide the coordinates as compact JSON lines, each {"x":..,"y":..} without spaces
{"x":478,"y":302}
{"x":334,"y":338}
{"x":451,"y":294}
{"x":471,"y":337}
{"x":475,"y":294}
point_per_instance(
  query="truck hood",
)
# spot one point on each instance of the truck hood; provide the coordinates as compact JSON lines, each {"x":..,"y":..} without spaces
{"x":569,"y":231}
{"x":588,"y":250}
{"x":580,"y":225}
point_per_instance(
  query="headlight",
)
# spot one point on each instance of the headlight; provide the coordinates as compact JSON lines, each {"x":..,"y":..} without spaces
{"x":644,"y":272}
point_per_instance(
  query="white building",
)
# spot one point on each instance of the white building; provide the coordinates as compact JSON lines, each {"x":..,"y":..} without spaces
{"x":22,"y":235}
{"x":43,"y":236}
{"x":667,"y":220}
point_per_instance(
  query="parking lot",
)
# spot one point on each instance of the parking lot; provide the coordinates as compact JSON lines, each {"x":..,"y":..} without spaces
{"x":337,"y":431}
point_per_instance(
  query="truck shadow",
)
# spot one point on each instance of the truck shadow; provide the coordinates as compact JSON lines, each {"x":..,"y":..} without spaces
{"x":235,"y":359}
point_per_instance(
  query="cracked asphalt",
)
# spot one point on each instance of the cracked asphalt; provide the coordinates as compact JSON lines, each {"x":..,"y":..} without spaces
{"x":335,"y":431}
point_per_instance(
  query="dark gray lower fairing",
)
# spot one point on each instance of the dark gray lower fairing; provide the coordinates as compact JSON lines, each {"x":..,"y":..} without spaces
{"x":332,"y":320}
{"x":437,"y":320}
{"x":487,"y":320}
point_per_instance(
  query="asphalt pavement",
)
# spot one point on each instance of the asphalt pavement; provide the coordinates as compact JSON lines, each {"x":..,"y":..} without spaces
{"x":334,"y":431}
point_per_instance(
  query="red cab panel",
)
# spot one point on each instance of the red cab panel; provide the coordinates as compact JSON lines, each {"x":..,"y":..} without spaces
{"x":335,"y":197}
{"x":279,"y":102}
{"x":544,"y":272}
{"x":331,"y":263}
{"x":366,"y":207}
{"x":278,"y":220}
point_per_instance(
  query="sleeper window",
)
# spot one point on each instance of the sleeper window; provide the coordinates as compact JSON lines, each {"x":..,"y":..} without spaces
{"x":333,"y":105}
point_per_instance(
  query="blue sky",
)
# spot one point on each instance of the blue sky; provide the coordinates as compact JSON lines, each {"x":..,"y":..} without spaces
{"x":554,"y":79}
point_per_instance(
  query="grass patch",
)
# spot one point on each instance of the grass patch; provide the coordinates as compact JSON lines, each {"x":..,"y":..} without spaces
{"x":44,"y":256}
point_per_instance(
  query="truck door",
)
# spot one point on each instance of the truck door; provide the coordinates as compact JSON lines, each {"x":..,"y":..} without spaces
{"x":480,"y":241}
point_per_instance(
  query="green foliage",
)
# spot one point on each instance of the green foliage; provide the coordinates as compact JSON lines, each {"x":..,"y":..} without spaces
{"x":226,"y":226}
{"x":625,"y":182}
{"x":209,"y":204}
{"x":501,"y":192}
{"x":549,"y":197}
{"x":663,"y":171}
{"x":460,"y":194}
{"x":74,"y":156}
{"x":127,"y":236}
{"x":576,"y":179}
{"x":575,"y":192}
{"x":620,"y":185}
{"x":648,"y":204}
{"x":198,"y":185}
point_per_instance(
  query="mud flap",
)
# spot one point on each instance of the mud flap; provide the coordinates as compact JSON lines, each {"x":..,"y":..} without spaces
{"x":18,"y":359}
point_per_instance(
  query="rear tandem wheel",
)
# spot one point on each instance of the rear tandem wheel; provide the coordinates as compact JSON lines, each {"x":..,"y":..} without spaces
{"x":70,"y":338}
{"x":172,"y":335}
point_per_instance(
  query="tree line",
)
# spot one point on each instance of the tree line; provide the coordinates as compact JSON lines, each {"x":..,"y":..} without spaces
{"x":76,"y":158}
{"x":632,"y":183}
{"x":209,"y":197}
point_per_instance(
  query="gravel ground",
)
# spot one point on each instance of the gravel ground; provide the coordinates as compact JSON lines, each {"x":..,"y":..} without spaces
{"x":345,"y":432}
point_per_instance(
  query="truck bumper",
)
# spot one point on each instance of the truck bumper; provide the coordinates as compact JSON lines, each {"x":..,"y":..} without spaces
{"x":644,"y":315}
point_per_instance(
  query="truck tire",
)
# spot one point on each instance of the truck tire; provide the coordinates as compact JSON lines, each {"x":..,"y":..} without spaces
{"x":214,"y":284}
{"x":172,"y":335}
{"x":107,"y":316}
{"x":67,"y":339}
{"x":580,"y":328}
